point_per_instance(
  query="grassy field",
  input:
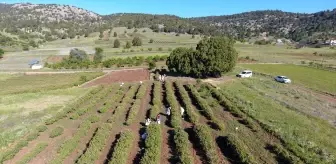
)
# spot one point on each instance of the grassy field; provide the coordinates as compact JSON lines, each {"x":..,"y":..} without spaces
{"x":292,"y":126}
{"x":309,"y":77}
{"x":35,"y":83}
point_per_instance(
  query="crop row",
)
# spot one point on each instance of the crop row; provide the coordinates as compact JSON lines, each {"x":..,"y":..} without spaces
{"x":156,"y":101}
{"x":207,"y":143}
{"x":124,"y":143}
{"x":136,"y":105}
{"x":239,"y":150}
{"x":108,"y":104}
{"x":70,"y":145}
{"x":226,"y":100}
{"x":28,"y":157}
{"x":190,"y":111}
{"x":152,"y":145}
{"x":126,"y":100}
{"x":74,"y":106}
{"x":96,"y":145}
{"x":182,"y":146}
{"x":175,"y":119}
{"x":11,"y":153}
{"x":205,"y":107}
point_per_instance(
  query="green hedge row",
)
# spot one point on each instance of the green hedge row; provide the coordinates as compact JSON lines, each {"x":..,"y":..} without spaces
{"x":237,"y":109}
{"x":37,"y":150}
{"x":108,"y":104}
{"x":73,"y":106}
{"x":56,"y":132}
{"x":190,"y":111}
{"x":11,"y":153}
{"x":205,"y":107}
{"x":207,"y":143}
{"x":152,"y":145}
{"x":182,"y":146}
{"x":156,"y":106}
{"x":284,"y":155}
{"x":96,"y":145}
{"x":70,"y":145}
{"x":136,"y":105}
{"x":121,"y":150}
{"x":240,"y":150}
{"x":175,"y":117}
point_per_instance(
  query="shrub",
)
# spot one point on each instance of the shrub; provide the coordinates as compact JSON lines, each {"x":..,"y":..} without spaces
{"x":96,"y":145}
{"x":207,"y":143}
{"x":56,"y":132}
{"x":182,"y":146}
{"x":175,"y":119}
{"x":128,"y":45}
{"x":151,"y":41}
{"x":239,"y":149}
{"x":152,"y":145}
{"x":303,"y":62}
{"x":190,"y":111}
{"x":160,"y":49}
{"x":28,"y":157}
{"x":150,"y":49}
{"x":32,"y":136}
{"x":121,"y":150}
{"x":93,"y":118}
{"x":137,"y":41}
{"x":70,"y":145}
{"x":41,"y":128}
{"x":285,"y":156}
{"x":116,"y":43}
{"x":136,"y":105}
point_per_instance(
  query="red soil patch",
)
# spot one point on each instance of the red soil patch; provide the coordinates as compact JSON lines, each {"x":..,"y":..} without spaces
{"x":130,"y":75}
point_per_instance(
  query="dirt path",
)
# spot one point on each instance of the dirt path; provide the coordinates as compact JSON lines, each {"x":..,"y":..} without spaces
{"x":137,"y":125}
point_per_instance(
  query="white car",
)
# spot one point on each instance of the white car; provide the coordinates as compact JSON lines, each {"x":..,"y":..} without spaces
{"x":244,"y":74}
{"x":282,"y":79}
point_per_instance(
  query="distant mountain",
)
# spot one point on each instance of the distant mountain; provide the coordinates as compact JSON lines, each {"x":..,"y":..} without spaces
{"x":30,"y":23}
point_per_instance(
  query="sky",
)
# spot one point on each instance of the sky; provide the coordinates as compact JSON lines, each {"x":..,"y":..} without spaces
{"x":190,"y":8}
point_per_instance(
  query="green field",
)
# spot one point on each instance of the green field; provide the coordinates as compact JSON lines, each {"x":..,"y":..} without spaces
{"x":304,"y":134}
{"x":309,"y":77}
{"x":34,"y":83}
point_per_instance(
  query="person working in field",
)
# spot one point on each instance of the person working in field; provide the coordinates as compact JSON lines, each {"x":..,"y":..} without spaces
{"x":148,"y":121}
{"x":182,"y":111}
{"x":158,"y":119}
{"x":168,"y":111}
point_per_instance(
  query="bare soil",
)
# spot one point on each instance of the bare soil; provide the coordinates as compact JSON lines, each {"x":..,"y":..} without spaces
{"x":131,"y":75}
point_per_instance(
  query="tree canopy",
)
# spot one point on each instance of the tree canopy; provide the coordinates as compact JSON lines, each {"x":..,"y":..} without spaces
{"x":137,"y":41}
{"x":98,"y":56}
{"x":212,"y":57}
{"x":2,"y":52}
{"x":128,"y":45}
{"x":116,"y":43}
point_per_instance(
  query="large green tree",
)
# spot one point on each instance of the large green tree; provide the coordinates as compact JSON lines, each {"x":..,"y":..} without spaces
{"x":137,"y":41}
{"x":212,"y":57}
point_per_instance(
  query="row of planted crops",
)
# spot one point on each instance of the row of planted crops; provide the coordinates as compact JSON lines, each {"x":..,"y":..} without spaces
{"x":122,"y":105}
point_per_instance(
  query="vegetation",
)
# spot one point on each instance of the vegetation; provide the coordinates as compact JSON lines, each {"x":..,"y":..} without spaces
{"x":11,"y":153}
{"x":96,"y":145}
{"x":175,"y":119}
{"x":116,"y":43}
{"x":182,"y":146}
{"x":156,"y":106}
{"x":56,"y":132}
{"x":152,"y":145}
{"x":2,"y":52}
{"x":28,"y":157}
{"x":98,"y":56}
{"x":120,"y":152}
{"x":137,"y":41}
{"x":207,"y":143}
{"x":128,"y":45}
{"x":212,"y":57}
{"x":136,"y":104}
{"x":70,"y":145}
{"x":323,"y":80}
{"x":239,"y":149}
{"x":41,"y":128}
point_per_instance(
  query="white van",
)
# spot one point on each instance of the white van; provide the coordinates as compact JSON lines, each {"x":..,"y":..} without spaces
{"x":245,"y":73}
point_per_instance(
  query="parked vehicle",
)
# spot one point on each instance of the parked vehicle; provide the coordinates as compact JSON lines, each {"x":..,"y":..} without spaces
{"x":244,"y":74}
{"x":282,"y":79}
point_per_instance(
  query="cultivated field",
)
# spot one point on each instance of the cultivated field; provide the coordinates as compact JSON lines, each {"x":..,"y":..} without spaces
{"x":235,"y":123}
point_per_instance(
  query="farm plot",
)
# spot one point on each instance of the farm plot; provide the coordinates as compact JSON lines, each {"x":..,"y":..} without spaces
{"x":107,"y":125}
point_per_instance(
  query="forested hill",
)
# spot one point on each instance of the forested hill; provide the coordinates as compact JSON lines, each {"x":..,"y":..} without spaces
{"x":28,"y":23}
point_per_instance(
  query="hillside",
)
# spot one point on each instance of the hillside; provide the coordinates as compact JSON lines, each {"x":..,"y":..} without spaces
{"x":32,"y":24}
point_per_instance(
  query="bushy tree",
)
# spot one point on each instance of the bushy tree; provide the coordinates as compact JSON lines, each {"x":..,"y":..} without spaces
{"x":98,"y":56}
{"x":128,"y":45}
{"x":116,"y":43}
{"x":151,"y":41}
{"x":115,"y":34}
{"x":135,"y":30}
{"x":2,"y":52}
{"x":212,"y":57}
{"x":137,"y":41}
{"x":77,"y":55}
